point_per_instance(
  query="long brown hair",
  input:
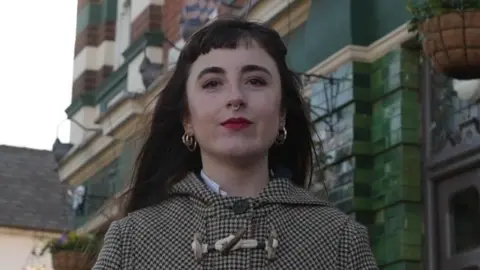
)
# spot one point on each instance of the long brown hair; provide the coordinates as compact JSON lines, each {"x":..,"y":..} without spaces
{"x":164,"y":160}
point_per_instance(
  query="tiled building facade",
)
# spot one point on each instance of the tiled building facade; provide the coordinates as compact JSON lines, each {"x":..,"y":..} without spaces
{"x":367,"y":115}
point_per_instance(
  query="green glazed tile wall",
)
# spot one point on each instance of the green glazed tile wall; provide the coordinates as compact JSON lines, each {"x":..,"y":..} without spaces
{"x":397,"y":233}
{"x":397,"y":177}
{"x":342,"y":113}
{"x":397,"y":70}
{"x":395,"y":120}
{"x":396,"y":184}
{"x":352,"y":84}
{"x":349,"y":189}
{"x":344,"y":134}
{"x":369,"y":126}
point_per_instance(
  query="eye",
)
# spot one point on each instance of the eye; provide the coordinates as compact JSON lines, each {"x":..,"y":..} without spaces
{"x":257,"y":82}
{"x":211,"y":84}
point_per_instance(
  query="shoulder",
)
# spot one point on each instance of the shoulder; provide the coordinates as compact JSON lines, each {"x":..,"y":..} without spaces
{"x":319,"y":211}
{"x":116,"y":247}
{"x":332,"y":219}
{"x":339,"y":223}
{"x":302,"y":208}
{"x":342,"y":233}
{"x":354,"y":251}
{"x":157,"y":216}
{"x":123,"y":237}
{"x":326,"y":216}
{"x":164,"y":209}
{"x":310,"y":208}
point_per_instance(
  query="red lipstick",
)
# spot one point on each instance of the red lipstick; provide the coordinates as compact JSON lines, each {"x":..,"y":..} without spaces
{"x":237,"y":123}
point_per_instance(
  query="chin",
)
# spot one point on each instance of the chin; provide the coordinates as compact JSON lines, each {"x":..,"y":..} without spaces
{"x":240,"y":151}
{"x":237,"y":151}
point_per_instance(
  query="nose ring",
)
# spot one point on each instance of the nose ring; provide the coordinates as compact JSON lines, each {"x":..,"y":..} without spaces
{"x":236,"y":107}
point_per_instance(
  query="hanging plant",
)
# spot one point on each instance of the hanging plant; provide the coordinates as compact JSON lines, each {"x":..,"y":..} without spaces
{"x":73,"y":251}
{"x":450,"y":35}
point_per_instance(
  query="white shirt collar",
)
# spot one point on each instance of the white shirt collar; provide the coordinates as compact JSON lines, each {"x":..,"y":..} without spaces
{"x":212,"y":185}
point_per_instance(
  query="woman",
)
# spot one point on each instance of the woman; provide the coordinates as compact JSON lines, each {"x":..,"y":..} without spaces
{"x":218,"y":182}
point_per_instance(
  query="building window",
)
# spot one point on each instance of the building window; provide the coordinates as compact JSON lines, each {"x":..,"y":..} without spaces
{"x":465,"y":220}
{"x":447,"y":112}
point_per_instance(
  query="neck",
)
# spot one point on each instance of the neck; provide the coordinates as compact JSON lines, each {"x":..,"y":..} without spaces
{"x":245,"y":180}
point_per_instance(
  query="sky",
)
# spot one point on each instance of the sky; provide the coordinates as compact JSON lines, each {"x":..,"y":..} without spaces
{"x":36,"y":55}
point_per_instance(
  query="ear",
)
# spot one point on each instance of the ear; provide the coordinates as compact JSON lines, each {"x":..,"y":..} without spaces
{"x":283,"y":119}
{"x":187,"y":124}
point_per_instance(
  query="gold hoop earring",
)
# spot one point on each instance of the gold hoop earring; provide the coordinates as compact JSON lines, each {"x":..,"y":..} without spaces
{"x":282,"y":136}
{"x":189,"y":141}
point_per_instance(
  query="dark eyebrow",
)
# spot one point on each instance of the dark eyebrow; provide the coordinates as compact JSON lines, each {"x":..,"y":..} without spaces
{"x":216,"y":70}
{"x":219,"y":70}
{"x":251,"y":68}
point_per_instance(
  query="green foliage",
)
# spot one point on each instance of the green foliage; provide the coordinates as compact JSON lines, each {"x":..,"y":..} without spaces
{"x":73,"y":242}
{"x":426,"y":9}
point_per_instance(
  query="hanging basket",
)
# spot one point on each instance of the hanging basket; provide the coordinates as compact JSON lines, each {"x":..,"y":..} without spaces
{"x":72,"y":260}
{"x":452,"y":42}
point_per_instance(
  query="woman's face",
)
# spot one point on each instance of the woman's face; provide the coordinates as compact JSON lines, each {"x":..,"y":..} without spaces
{"x":234,"y":98}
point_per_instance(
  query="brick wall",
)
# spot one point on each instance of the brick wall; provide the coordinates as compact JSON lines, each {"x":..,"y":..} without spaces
{"x":150,"y":20}
{"x":93,"y":35}
{"x":170,"y":22}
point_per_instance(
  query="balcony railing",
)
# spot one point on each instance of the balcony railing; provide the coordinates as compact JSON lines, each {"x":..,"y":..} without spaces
{"x":106,"y":183}
{"x":99,"y":188}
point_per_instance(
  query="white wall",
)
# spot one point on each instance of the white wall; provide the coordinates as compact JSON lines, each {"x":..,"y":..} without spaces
{"x":94,"y":58}
{"x":16,"y":248}
{"x":85,"y":116}
{"x":123,"y":30}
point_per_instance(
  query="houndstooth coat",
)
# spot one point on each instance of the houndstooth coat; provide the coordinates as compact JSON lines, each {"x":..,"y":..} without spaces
{"x":284,"y":228}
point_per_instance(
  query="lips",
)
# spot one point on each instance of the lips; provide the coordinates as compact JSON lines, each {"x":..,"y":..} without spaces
{"x":237,"y":123}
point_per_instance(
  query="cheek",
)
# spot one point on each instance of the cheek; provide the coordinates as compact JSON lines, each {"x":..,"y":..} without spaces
{"x":200,"y":113}
{"x":269,"y":115}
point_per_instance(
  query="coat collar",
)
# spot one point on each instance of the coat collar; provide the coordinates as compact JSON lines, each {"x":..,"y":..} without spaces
{"x":280,"y":190}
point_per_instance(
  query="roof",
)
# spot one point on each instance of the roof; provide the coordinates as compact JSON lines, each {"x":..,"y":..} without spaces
{"x":31,"y":195}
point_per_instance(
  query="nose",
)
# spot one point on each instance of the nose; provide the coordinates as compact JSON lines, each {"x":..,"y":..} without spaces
{"x":236,"y":104}
{"x":236,"y":99}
